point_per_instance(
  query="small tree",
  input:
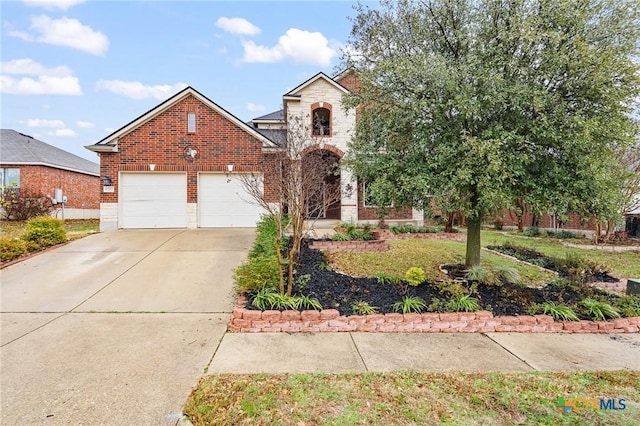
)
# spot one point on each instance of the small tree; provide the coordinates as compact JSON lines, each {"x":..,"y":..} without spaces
{"x":300,"y":185}
{"x":24,"y":203}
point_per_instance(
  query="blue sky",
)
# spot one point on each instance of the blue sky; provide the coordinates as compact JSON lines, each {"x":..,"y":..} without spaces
{"x":73,"y":71}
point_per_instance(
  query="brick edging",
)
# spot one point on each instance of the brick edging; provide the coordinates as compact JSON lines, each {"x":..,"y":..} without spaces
{"x":329,"y":320}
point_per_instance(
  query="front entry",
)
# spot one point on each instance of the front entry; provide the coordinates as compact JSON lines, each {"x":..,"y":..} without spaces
{"x":324,"y":197}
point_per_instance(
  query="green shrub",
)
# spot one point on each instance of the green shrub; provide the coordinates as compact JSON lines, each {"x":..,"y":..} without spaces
{"x":508,"y":275}
{"x":533,"y":231}
{"x":410,"y":229}
{"x":340,"y":236}
{"x":384,"y":278}
{"x":415,"y":276}
{"x":267,"y":299}
{"x":558,"y":312}
{"x":410,"y":304}
{"x":363,"y":308}
{"x":628,"y":306}
{"x":481,"y":274}
{"x":44,"y":231}
{"x":599,"y":310}
{"x":266,"y":234}
{"x":256,"y":274}
{"x":451,"y":289}
{"x":305,"y":302}
{"x":464,"y":303}
{"x":11,"y":248}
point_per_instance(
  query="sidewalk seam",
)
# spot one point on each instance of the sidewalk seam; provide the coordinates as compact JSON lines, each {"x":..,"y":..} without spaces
{"x":355,"y":345}
{"x":508,"y":351}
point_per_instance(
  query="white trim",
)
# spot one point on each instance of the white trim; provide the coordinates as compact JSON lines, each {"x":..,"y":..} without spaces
{"x":312,"y":80}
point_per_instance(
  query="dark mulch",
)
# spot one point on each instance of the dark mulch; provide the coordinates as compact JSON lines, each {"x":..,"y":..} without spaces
{"x":339,"y":291}
{"x":551,"y":263}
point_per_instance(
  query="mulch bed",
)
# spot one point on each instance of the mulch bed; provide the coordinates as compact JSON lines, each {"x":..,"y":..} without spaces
{"x":338,"y":291}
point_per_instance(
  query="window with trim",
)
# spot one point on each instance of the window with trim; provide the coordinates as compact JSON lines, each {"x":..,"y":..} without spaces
{"x":9,"y":177}
{"x":191,"y":122}
{"x":369,"y":197}
{"x":321,"y":118}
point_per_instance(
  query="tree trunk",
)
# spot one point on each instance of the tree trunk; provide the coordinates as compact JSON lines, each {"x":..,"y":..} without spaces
{"x":473,"y":241}
{"x":520,"y":210}
{"x":448,"y":227}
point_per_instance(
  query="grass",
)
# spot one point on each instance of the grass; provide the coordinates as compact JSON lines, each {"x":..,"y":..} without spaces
{"x":401,"y":398}
{"x":75,"y":228}
{"x":426,"y":254}
{"x":622,"y":264}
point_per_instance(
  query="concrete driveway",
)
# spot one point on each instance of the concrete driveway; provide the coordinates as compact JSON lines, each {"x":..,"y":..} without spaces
{"x":115,"y":328}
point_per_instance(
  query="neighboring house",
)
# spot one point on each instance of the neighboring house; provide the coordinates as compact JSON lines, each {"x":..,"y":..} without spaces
{"x":177,"y":165}
{"x":26,"y":162}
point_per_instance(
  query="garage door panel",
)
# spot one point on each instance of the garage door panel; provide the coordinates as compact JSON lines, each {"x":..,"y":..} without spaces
{"x":153,"y":200}
{"x":223,"y":202}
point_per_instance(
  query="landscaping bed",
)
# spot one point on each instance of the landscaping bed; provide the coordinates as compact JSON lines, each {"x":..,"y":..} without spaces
{"x":505,"y":307}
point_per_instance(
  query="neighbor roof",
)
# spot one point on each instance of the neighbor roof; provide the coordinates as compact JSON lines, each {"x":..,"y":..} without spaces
{"x":110,"y":143}
{"x":20,"y":149}
{"x":272,"y":116}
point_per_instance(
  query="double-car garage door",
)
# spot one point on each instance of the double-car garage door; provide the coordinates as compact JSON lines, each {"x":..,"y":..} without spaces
{"x":159,"y":200}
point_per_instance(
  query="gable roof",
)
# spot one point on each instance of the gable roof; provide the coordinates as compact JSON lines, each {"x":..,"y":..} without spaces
{"x":110,"y":143}
{"x":295,"y":92}
{"x":20,"y":149}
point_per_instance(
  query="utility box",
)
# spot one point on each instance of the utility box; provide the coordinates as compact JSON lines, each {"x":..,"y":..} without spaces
{"x":633,"y":286}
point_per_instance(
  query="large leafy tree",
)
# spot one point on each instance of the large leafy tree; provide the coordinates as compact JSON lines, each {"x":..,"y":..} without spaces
{"x":481,"y":103}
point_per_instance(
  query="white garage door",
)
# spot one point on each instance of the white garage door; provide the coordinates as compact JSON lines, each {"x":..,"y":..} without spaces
{"x":223,"y":203}
{"x":153,"y":200}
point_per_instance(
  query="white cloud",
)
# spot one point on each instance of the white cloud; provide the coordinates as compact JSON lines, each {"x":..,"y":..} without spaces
{"x":39,"y":122}
{"x":52,"y":4}
{"x":299,"y":46}
{"x":137,"y":90}
{"x":47,"y":81}
{"x":63,"y":132}
{"x":255,"y":107}
{"x":109,"y":129}
{"x":85,"y":124}
{"x":237,"y":26}
{"x":29,"y":66}
{"x":65,"y":32}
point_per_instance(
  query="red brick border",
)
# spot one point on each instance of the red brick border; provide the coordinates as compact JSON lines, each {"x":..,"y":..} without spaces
{"x":386,"y":234}
{"x":250,"y":321}
{"x":373,"y":245}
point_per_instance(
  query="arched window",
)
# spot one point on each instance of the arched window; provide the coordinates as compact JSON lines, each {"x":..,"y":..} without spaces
{"x":321,"y":122}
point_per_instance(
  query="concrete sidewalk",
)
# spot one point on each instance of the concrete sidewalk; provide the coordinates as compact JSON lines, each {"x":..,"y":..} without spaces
{"x":470,"y":352}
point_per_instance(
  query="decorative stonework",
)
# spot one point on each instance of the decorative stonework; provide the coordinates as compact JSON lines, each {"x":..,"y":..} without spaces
{"x":329,"y":320}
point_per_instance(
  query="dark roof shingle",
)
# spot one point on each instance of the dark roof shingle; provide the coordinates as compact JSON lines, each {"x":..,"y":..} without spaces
{"x":18,"y":148}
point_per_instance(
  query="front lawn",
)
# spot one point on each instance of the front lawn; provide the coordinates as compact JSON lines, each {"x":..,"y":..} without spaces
{"x":402,"y":398}
{"x":426,"y":254}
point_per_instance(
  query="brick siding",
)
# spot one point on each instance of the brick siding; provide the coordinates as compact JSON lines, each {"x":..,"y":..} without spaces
{"x":82,"y":190}
{"x":164,"y":139}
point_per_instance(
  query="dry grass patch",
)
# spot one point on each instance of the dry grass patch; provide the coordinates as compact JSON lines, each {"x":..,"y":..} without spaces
{"x":410,"y":398}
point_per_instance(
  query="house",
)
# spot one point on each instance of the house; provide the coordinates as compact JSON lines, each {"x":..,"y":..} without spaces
{"x":26,"y":162}
{"x":179,"y":164}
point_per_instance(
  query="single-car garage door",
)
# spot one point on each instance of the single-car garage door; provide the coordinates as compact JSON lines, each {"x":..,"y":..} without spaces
{"x":223,"y":202}
{"x":153,"y":200}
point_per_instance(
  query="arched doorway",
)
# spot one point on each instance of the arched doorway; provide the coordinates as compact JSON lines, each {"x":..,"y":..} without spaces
{"x":321,"y":170}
